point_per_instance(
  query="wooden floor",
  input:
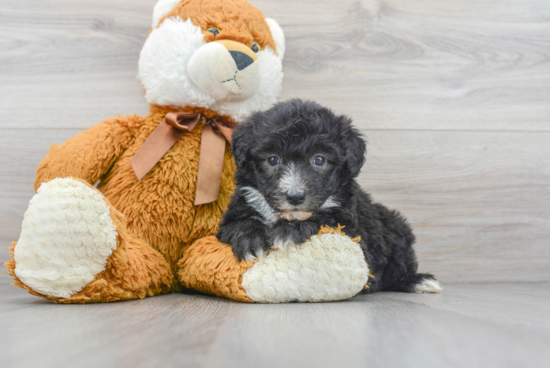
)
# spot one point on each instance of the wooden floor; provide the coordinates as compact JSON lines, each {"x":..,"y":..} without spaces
{"x":469,"y":325}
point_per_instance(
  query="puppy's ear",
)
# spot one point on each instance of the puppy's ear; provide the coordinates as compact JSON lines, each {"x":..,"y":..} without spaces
{"x":241,"y":143}
{"x":354,"y":146}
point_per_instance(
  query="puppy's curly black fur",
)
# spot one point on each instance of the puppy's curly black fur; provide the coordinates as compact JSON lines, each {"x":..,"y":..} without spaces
{"x":296,"y":170}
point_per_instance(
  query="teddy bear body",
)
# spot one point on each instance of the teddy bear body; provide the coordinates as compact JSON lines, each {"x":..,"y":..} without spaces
{"x":158,"y":209}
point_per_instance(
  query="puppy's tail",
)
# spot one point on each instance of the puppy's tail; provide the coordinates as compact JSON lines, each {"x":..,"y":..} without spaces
{"x":417,"y":283}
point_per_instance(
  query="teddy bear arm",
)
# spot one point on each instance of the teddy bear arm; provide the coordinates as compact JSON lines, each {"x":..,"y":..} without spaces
{"x":88,"y":155}
{"x":328,"y":266}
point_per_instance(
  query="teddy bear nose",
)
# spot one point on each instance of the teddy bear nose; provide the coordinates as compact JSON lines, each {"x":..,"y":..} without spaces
{"x":241,"y":59}
{"x":296,"y":197}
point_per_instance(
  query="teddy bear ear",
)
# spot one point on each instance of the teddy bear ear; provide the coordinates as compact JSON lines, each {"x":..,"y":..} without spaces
{"x":278,"y":36}
{"x":162,"y":8}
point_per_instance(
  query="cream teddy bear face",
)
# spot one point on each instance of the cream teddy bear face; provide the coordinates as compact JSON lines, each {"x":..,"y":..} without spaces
{"x":222,"y":55}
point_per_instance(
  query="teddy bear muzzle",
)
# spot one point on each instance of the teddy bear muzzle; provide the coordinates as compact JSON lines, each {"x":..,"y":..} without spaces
{"x":226,"y":70}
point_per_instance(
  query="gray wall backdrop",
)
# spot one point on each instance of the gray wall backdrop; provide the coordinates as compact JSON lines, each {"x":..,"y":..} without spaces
{"x":454,"y":97}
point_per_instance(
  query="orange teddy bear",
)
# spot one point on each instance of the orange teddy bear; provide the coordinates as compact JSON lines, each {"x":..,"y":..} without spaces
{"x":163,"y":181}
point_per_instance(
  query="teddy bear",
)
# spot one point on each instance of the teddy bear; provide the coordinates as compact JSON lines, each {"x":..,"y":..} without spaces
{"x":127,"y":208}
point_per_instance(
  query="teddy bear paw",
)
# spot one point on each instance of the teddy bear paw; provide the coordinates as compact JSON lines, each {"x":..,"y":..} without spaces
{"x":328,"y":267}
{"x":66,"y":238}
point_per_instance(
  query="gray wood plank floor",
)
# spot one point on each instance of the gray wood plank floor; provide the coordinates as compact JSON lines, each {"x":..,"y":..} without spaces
{"x":469,"y":325}
{"x":452,"y":96}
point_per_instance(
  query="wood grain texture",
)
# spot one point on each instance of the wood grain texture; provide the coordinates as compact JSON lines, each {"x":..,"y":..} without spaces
{"x":422,"y":65}
{"x":478,"y":201}
{"x":469,"y":325}
{"x":479,"y":65}
{"x":453,"y":97}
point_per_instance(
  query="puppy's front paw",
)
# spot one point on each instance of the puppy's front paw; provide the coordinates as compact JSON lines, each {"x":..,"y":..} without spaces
{"x":287,"y":233}
{"x":247,"y":244}
{"x":250,"y":247}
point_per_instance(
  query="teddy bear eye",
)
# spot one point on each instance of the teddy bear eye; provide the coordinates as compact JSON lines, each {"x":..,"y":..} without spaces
{"x":319,"y":160}
{"x":215,"y":31}
{"x":273,"y":160}
{"x":255,"y":47}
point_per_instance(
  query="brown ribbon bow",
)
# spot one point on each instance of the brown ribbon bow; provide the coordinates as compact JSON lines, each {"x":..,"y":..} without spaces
{"x":175,"y":124}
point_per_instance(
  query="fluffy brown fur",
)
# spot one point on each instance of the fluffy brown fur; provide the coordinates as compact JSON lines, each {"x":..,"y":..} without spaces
{"x":210,"y":266}
{"x":156,"y":218}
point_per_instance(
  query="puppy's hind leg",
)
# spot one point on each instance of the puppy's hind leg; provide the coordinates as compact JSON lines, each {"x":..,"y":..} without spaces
{"x":417,"y":283}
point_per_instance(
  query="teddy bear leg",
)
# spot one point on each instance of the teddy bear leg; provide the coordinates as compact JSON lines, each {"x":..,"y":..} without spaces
{"x":75,"y":248}
{"x":209,"y":266}
{"x":330,"y":266}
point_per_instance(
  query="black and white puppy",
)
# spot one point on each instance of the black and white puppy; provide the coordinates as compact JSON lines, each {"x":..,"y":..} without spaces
{"x":296,"y":170}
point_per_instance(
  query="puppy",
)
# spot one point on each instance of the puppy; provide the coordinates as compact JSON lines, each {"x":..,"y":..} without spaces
{"x":296,"y":170}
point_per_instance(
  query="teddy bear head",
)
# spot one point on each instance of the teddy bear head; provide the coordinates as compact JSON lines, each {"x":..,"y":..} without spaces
{"x":222,"y":55}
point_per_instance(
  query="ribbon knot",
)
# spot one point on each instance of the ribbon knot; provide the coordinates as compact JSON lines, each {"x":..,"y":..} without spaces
{"x":215,"y":133}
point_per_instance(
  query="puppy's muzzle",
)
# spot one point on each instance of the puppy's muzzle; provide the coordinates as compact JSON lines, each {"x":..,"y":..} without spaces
{"x":226,"y":70}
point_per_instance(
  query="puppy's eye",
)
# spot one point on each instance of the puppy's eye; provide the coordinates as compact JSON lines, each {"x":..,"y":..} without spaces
{"x":319,"y":160}
{"x":215,"y":31}
{"x":273,"y":160}
{"x":255,"y":47}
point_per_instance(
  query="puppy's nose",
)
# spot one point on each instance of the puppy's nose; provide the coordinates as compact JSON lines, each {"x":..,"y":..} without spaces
{"x":296,"y":197}
{"x":241,"y":59}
